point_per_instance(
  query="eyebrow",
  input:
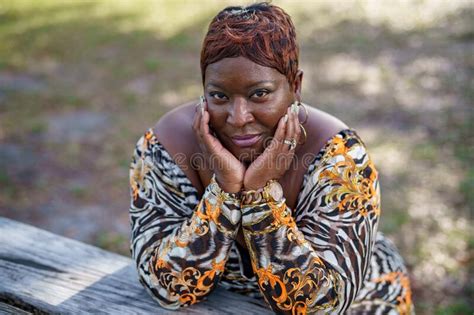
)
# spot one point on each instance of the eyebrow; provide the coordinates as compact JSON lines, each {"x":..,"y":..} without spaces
{"x":217,"y":85}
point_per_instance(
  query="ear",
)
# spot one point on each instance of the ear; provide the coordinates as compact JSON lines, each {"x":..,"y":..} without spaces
{"x":297,"y":86}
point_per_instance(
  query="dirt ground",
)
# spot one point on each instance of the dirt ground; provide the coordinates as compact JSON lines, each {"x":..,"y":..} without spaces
{"x":80,"y":81}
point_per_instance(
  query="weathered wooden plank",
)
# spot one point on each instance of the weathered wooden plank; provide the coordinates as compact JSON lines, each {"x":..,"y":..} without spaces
{"x":54,"y":274}
{"x":10,"y":309}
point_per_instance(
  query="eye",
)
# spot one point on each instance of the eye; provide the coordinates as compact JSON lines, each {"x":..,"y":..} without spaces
{"x":219,"y":96}
{"x":259,"y":94}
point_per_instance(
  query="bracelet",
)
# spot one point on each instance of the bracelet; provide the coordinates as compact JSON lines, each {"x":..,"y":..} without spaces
{"x":217,"y":190}
{"x":253,"y":197}
{"x":271,"y":192}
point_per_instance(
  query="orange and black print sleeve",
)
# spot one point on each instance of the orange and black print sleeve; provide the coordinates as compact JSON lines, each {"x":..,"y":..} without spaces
{"x":179,"y":243}
{"x":313,"y":259}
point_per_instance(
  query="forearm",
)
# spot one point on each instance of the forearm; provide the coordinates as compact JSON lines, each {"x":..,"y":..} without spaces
{"x":185,"y":265}
{"x":291,"y":275}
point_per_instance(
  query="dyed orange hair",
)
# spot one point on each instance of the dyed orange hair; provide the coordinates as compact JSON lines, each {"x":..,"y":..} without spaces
{"x":261,"y":32}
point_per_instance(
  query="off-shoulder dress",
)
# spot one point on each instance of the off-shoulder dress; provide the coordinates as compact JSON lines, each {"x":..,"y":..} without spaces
{"x":325,"y":256}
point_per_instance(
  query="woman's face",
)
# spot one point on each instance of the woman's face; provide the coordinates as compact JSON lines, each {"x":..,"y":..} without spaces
{"x":245,"y":102}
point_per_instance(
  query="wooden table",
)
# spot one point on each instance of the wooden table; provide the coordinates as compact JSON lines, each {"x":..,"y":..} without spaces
{"x":41,"y":272}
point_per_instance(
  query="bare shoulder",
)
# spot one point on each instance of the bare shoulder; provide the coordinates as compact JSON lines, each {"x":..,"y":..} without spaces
{"x":321,"y":127}
{"x":174,"y":130}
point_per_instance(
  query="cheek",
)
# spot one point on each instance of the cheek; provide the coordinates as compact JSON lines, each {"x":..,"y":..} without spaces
{"x":217,"y":118}
{"x":270,"y":118}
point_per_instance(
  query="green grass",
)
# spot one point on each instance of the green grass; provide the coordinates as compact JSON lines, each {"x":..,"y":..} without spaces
{"x":152,"y":64}
{"x":426,"y":151}
{"x":392,"y":222}
{"x":9,"y":190}
{"x":86,"y":55}
{"x":113,"y":242}
{"x":457,"y":308}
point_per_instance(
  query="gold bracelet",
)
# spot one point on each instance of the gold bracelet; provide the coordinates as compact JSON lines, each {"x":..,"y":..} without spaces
{"x":252,"y":197}
{"x":225,"y":196}
{"x":271,"y":192}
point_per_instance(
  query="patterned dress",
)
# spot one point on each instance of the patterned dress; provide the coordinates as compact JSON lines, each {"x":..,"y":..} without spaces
{"x":325,"y":256}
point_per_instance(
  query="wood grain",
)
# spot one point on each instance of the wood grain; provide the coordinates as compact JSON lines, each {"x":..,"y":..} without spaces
{"x":44,"y":272}
{"x":10,"y":309}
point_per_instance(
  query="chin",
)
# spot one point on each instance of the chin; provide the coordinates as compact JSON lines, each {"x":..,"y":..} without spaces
{"x":247,"y":155}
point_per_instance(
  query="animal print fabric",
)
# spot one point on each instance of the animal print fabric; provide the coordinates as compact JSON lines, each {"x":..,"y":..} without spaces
{"x":324,"y":257}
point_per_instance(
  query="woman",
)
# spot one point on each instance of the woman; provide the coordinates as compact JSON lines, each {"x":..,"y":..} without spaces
{"x":264,"y":195}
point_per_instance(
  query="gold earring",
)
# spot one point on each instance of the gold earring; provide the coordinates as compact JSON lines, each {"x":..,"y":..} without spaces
{"x":305,"y":111}
{"x":304,"y":134}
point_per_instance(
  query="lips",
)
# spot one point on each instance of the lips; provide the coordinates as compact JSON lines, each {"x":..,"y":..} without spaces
{"x":246,"y":140}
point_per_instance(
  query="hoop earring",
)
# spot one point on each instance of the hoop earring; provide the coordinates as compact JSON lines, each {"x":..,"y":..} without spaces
{"x":304,"y":134}
{"x":305,"y":111}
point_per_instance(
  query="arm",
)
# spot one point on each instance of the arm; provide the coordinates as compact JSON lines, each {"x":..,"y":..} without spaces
{"x":317,"y":260}
{"x":180,"y":252}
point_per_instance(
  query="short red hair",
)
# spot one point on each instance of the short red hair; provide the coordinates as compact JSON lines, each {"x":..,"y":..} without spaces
{"x":261,"y":32}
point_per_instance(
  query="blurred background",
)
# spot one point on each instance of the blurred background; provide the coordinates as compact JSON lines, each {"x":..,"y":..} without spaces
{"x":81,"y":81}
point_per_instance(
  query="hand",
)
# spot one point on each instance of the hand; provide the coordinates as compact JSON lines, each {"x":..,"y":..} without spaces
{"x":277,"y":157}
{"x":228,"y":169}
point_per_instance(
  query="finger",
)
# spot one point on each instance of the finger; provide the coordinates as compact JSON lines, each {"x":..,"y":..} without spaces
{"x":290,"y":130}
{"x":281,"y":129}
{"x":196,"y":119}
{"x":205,"y":122}
{"x":206,"y":136}
{"x":279,"y":133}
{"x":287,"y":144}
{"x":296,"y":127}
{"x":275,"y":141}
{"x":198,"y":129}
{"x":285,"y":155}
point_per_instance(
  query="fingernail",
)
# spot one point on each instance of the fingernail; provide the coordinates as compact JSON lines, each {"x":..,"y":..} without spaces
{"x":202,"y":103}
{"x":285,"y":118}
{"x":294,"y":108}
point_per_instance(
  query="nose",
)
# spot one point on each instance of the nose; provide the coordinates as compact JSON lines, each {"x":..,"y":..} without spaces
{"x":239,"y":113}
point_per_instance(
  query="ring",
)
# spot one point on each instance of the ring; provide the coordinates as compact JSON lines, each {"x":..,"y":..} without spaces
{"x":291,"y":143}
